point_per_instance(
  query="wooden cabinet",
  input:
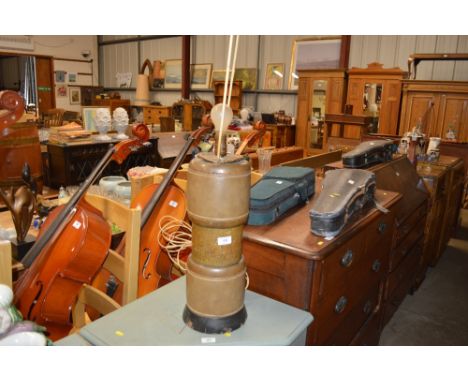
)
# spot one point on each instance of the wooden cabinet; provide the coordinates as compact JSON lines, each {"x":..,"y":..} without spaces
{"x":189,"y":113}
{"x":320,"y":92}
{"x":282,"y":135}
{"x":376,"y":87}
{"x":151,"y":114}
{"x":113,"y":103}
{"x":70,"y":164}
{"x":236,"y":96}
{"x":340,"y":281}
{"x":439,"y":104}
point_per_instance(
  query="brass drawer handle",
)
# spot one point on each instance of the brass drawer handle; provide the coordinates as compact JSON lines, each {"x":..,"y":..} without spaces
{"x":367,"y":307}
{"x":376,"y":265}
{"x":347,"y":258}
{"x":341,"y":304}
{"x":382,"y":227}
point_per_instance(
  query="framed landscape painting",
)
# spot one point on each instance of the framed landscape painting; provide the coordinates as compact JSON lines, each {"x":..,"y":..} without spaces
{"x":200,"y":76}
{"x":173,"y":79}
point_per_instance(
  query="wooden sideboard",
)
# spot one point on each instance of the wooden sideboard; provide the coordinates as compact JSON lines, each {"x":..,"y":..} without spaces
{"x":439,"y":104}
{"x":70,"y":164}
{"x":151,"y":114}
{"x":340,"y":281}
{"x":387,"y":91}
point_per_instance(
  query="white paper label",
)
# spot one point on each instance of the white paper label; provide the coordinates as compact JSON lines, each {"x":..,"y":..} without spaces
{"x":208,"y":340}
{"x":224,"y":240}
{"x":279,"y":182}
{"x":173,"y":203}
{"x":76,"y":224}
{"x":351,"y":181}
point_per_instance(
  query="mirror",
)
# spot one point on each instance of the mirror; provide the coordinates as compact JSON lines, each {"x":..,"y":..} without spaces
{"x":372,"y":98}
{"x":317,"y":113}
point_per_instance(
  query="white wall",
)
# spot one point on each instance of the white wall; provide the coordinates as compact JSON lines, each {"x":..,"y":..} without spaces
{"x":392,"y":51}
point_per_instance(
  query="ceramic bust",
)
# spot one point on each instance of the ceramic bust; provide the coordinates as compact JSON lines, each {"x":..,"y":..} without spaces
{"x":120,"y":121}
{"x":102,"y":120}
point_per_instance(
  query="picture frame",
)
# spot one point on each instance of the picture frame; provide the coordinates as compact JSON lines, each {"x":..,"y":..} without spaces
{"x":60,"y":75}
{"x":274,"y":76}
{"x":248,"y":76}
{"x":75,"y":95}
{"x":314,"y":53}
{"x":173,"y":74}
{"x":61,"y":91}
{"x":200,"y":76}
{"x":218,"y":75}
{"x":72,"y":77}
{"x":87,"y":116}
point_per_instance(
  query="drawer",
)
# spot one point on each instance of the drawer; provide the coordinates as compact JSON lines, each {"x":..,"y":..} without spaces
{"x":379,"y":232}
{"x":405,"y":271}
{"x":339,"y":301}
{"x":338,"y":267}
{"x":398,"y":253}
{"x":348,"y":328}
{"x":402,"y":230}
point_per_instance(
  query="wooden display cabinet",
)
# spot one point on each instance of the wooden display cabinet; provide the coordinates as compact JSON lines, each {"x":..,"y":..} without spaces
{"x":379,"y":88}
{"x":320,"y":92}
{"x":236,"y":96}
{"x":189,"y":114}
{"x":439,"y":104}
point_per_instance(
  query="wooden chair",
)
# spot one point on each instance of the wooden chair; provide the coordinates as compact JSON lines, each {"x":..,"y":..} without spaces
{"x":125,"y":268}
{"x":167,"y":124}
{"x":53,"y":117}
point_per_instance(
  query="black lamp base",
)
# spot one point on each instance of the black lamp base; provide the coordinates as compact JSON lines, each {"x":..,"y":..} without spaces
{"x":18,"y":250}
{"x":212,"y":325}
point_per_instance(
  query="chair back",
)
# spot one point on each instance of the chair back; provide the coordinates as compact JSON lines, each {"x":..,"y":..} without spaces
{"x":167,"y":124}
{"x":53,"y":117}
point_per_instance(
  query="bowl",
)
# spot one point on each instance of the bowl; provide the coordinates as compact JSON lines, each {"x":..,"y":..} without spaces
{"x":123,"y":190}
{"x":109,"y":183}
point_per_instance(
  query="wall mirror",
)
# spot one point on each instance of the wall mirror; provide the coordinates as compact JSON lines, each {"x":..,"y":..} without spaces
{"x":317,"y":112}
{"x":372,"y":98}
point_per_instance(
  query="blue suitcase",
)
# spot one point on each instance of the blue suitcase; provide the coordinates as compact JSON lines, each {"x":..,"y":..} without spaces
{"x":302,"y":177}
{"x":270,"y":199}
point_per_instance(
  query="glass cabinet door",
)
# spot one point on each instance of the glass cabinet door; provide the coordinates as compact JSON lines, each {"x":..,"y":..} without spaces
{"x":317,"y":113}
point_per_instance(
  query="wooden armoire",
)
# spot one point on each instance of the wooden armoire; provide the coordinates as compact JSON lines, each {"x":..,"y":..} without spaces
{"x":385,"y":87}
{"x":320,"y":92}
{"x":439,"y":104}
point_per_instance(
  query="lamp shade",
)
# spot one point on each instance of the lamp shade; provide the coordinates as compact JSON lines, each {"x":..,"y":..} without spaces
{"x":142,"y":96}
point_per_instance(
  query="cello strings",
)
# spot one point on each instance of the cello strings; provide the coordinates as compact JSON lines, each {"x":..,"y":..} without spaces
{"x":228,"y":103}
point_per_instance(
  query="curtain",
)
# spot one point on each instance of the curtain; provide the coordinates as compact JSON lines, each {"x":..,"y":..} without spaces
{"x":28,"y":85}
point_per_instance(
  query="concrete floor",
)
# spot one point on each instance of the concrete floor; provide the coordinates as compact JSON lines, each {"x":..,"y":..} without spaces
{"x":437,"y":313}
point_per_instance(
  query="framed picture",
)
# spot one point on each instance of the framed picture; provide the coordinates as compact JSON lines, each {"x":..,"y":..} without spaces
{"x":75,"y":96}
{"x":173,"y":79}
{"x":314,"y":53}
{"x":61,"y":91}
{"x":218,"y":75}
{"x":87,"y":115}
{"x":274,"y":76}
{"x":248,"y":76}
{"x":71,"y":77}
{"x":200,"y":76}
{"x":60,"y":75}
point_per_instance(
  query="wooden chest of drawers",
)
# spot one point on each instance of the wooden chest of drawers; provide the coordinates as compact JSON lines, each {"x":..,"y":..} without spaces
{"x":151,"y":114}
{"x":340,"y":281}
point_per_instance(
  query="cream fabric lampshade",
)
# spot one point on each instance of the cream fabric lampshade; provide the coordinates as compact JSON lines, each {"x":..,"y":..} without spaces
{"x":142,"y":96}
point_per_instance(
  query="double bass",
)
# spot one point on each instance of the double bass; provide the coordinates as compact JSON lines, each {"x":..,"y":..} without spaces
{"x":156,"y":201}
{"x":71,"y":247}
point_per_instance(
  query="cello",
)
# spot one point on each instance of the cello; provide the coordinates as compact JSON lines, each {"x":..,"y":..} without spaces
{"x":71,"y":247}
{"x":156,"y":201}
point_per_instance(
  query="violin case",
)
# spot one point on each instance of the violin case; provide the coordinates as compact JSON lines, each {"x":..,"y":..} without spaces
{"x":278,"y":191}
{"x":368,"y":153}
{"x":344,"y":192}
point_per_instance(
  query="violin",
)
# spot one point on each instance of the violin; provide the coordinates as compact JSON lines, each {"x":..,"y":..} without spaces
{"x":72,"y":245}
{"x":156,"y":202}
